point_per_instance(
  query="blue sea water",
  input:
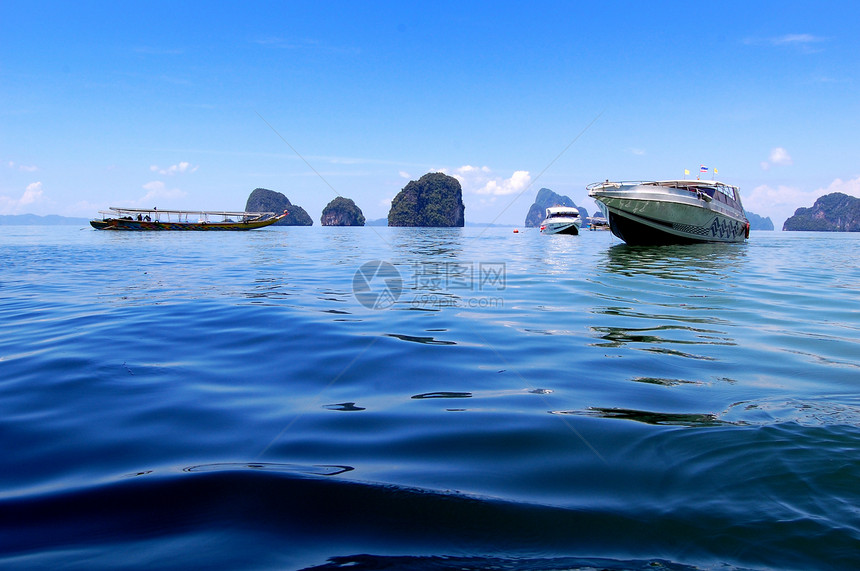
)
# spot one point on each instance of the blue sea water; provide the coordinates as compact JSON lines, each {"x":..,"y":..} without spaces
{"x":400,"y":398}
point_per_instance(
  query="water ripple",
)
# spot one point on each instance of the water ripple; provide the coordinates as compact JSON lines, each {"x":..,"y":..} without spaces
{"x":176,"y":401}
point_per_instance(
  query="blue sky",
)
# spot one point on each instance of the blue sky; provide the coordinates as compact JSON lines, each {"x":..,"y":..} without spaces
{"x":195,"y":104}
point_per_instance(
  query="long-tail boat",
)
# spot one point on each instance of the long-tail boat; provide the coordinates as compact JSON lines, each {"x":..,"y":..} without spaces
{"x":155,"y":219}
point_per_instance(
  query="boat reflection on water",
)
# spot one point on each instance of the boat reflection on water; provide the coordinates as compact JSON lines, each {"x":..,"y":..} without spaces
{"x":694,"y":262}
{"x":677,"y":301}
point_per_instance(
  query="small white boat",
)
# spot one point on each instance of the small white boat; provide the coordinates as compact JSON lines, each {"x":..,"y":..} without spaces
{"x":561,"y":220}
{"x":672,"y":211}
{"x":597,"y":223}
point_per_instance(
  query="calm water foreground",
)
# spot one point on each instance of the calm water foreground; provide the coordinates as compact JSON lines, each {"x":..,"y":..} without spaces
{"x":371,"y":398}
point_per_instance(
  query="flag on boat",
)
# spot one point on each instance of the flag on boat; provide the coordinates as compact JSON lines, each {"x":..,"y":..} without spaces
{"x":703,"y":168}
{"x":716,"y":171}
{"x":686,"y":171}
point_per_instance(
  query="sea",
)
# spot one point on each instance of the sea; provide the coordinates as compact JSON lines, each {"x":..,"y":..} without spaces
{"x":427,"y":399}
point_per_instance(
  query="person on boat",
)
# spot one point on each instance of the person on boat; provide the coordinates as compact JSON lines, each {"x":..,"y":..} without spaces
{"x":147,"y":218}
{"x":140,"y":217}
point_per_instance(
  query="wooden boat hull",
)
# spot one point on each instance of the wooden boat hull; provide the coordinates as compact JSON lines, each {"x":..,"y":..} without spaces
{"x":143,"y":225}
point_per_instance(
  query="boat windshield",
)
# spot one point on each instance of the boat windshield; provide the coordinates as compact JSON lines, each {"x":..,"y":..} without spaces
{"x":720,"y":192}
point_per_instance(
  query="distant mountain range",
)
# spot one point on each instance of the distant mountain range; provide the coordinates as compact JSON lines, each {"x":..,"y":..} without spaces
{"x":36,"y":220}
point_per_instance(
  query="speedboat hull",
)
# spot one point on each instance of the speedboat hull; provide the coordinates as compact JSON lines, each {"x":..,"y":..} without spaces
{"x":561,"y":220}
{"x":664,"y":213}
{"x":560,"y":228}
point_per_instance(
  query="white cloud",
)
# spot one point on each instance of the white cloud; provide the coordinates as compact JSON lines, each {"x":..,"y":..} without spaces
{"x":182,"y":167}
{"x":778,"y":156}
{"x":805,"y":43}
{"x":780,"y":203}
{"x":851,"y":187}
{"x":33,"y":195}
{"x":469,"y":169}
{"x":795,"y":39}
{"x":22,"y":168}
{"x":404,"y":174}
{"x":480,"y":180}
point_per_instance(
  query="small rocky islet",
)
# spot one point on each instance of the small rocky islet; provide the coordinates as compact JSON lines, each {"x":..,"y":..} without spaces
{"x":434,"y":200}
{"x":265,"y":200}
{"x":342,"y":212}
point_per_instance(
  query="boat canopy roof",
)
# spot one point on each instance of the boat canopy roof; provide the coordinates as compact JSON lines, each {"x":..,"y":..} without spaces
{"x":115,"y":210}
{"x":570,"y":210}
{"x":676,"y":182}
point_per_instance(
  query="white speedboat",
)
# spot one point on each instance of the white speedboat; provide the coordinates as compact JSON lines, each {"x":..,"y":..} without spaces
{"x":561,"y":220}
{"x":672,"y":211}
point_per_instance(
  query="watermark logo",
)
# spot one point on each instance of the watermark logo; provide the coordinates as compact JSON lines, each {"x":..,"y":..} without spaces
{"x":491,"y":276}
{"x":377,"y":285}
{"x":463,"y":276}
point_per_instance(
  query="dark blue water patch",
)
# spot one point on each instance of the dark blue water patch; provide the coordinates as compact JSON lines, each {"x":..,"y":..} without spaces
{"x":430,"y":563}
{"x":426,"y":340}
{"x":345,"y":407}
{"x":443,"y":395}
{"x":650,"y":417}
{"x":288,"y":517}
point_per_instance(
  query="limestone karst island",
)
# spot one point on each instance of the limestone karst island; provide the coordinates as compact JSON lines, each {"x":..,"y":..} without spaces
{"x":435,"y":199}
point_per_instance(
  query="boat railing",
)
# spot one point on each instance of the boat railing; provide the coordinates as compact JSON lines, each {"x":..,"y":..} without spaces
{"x":608,"y":184}
{"x":704,"y":189}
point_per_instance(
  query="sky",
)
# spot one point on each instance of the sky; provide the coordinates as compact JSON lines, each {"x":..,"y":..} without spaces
{"x":192,"y":105}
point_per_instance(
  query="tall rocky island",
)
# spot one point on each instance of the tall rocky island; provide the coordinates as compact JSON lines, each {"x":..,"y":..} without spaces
{"x":544,"y":199}
{"x":435,"y":199}
{"x":342,"y":212}
{"x":759,"y":223}
{"x":835,"y":212}
{"x":265,"y":200}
